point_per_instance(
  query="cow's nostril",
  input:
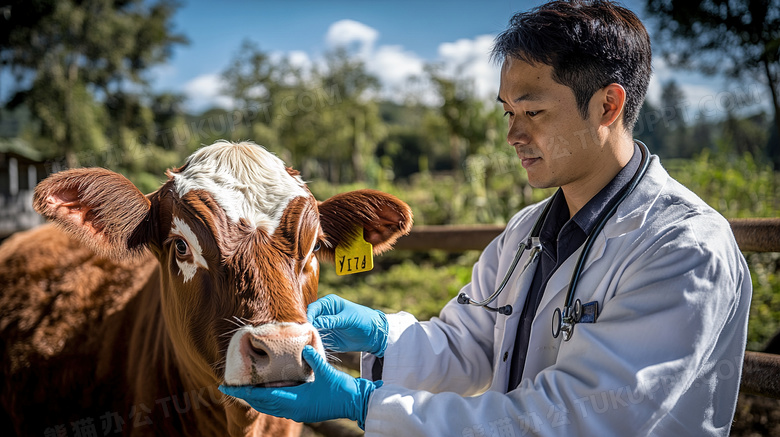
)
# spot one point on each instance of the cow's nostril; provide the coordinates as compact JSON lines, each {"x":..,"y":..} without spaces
{"x":258,"y":348}
{"x":313,"y":336}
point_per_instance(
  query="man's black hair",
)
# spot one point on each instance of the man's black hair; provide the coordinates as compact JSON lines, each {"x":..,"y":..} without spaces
{"x":589,"y":45}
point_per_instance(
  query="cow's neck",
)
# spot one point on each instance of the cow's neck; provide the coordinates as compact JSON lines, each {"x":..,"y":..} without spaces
{"x":182,"y":394}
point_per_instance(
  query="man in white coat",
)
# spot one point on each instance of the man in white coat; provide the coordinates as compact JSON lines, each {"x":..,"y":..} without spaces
{"x":663,"y":293}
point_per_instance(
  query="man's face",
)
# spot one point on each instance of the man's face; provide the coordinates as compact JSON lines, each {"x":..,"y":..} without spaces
{"x":557,"y":147}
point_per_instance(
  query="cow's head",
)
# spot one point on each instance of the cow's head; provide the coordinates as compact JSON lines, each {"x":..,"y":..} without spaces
{"x":238,"y":236}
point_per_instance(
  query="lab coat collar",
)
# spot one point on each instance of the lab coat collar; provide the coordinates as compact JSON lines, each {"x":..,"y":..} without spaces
{"x":631,"y":215}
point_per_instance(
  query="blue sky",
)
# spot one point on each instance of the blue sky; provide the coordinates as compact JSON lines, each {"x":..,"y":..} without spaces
{"x":394,"y":37}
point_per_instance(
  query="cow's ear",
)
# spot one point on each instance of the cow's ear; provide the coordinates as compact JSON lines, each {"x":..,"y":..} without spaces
{"x":102,"y":208}
{"x":383,"y":218}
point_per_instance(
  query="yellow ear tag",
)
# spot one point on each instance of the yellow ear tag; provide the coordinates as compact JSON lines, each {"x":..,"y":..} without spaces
{"x":354,"y":255}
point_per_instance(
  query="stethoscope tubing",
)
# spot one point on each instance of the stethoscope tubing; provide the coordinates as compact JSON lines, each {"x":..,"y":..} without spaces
{"x":533,"y":243}
{"x":576,"y":273}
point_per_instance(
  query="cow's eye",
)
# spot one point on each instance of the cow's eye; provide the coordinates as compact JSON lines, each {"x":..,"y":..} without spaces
{"x":181,"y":247}
{"x":317,"y":247}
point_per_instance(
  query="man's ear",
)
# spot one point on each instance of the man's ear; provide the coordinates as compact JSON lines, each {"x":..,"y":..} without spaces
{"x":101,"y":208}
{"x":383,"y":218}
{"x":612,"y":103}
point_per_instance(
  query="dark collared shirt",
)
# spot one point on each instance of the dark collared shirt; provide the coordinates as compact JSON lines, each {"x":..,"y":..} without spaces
{"x":560,"y":238}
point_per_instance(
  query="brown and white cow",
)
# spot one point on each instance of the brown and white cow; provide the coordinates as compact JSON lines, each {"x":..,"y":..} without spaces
{"x":125,"y":316}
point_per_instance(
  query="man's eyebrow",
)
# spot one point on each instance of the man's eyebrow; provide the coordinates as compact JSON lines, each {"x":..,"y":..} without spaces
{"x":525,"y":97}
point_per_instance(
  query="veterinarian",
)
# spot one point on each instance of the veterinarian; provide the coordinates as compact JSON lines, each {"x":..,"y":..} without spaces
{"x":617,"y":307}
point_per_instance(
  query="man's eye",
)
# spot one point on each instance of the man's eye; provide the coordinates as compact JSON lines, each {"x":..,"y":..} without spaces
{"x":532,"y":113}
{"x":507,"y":113}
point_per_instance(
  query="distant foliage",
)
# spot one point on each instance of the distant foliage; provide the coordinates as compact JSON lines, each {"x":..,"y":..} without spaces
{"x":735,"y":185}
{"x":765,"y":306}
{"x":738,"y":38}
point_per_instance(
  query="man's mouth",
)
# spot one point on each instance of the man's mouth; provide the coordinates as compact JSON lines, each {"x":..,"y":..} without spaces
{"x":527,"y":162}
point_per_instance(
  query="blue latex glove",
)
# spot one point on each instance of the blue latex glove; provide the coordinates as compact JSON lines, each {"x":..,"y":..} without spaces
{"x":332,"y":395}
{"x":348,"y":327}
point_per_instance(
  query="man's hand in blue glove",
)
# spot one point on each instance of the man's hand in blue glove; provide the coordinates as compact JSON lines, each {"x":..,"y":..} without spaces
{"x":332,"y":395}
{"x":348,"y":327}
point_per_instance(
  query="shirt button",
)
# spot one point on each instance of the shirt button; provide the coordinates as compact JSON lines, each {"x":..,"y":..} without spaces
{"x":506,"y":355}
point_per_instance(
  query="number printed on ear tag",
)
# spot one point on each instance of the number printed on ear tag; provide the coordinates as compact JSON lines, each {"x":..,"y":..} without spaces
{"x":354,"y":255}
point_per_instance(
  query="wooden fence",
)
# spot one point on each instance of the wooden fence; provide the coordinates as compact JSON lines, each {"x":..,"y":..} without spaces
{"x":753,"y":235}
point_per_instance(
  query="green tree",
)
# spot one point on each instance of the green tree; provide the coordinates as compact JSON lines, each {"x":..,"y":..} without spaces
{"x":740,"y":38}
{"x":746,"y":135}
{"x":168,"y":113}
{"x":324,"y":121}
{"x":677,"y":141}
{"x":67,"y":55}
{"x":467,"y":119}
{"x":354,"y":121}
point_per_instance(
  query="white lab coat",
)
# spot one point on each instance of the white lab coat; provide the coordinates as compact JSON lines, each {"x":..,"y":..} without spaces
{"x":664,"y":357}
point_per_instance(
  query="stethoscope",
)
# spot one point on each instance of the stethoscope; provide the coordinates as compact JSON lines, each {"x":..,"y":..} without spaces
{"x":563,"y":320}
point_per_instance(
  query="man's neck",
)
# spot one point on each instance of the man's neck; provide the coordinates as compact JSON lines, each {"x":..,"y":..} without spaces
{"x":615,"y":157}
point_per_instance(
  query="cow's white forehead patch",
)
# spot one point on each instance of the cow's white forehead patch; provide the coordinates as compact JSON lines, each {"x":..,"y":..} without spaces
{"x":246,"y":180}
{"x":182,"y":229}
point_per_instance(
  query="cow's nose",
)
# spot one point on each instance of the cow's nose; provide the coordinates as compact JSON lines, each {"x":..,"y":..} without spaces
{"x":274,"y":354}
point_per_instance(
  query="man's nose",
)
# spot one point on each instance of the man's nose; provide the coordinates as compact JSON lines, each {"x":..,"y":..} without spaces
{"x":517,"y":133}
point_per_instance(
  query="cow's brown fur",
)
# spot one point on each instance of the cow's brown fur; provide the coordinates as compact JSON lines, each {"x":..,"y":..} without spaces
{"x":94,"y":327}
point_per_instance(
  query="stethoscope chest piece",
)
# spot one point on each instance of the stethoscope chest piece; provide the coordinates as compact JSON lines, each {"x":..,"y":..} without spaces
{"x":565,"y":321}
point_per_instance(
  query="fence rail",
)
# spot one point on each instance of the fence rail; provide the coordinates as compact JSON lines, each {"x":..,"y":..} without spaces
{"x":761,"y":372}
{"x":752,"y":234}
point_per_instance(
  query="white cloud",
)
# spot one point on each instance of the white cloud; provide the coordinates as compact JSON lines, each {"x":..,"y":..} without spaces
{"x":470,"y":59}
{"x":394,"y":64}
{"x":299,"y":59}
{"x":391,"y":64}
{"x":352,"y":35}
{"x":394,"y":67}
{"x":206,"y":91}
{"x":400,"y":70}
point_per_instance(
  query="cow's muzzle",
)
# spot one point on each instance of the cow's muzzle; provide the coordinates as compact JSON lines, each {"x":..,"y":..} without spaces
{"x":269,"y":355}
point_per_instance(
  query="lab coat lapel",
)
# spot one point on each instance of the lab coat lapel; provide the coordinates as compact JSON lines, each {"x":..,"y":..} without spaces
{"x":516,"y":292}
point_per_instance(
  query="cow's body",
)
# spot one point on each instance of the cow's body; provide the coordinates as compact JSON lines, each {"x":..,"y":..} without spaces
{"x":87,"y":340}
{"x":100,"y":344}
